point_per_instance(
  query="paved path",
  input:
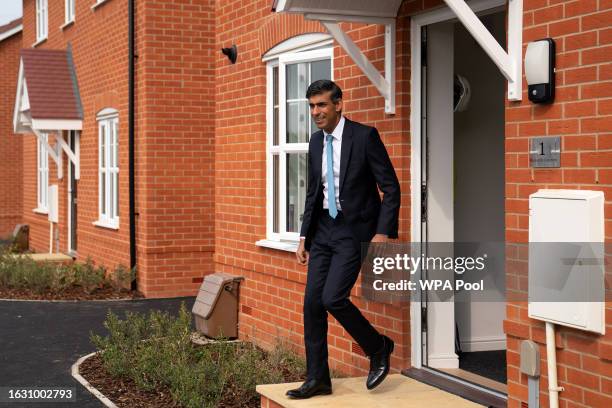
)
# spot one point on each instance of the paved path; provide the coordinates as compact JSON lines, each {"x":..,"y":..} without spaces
{"x":39,"y":341}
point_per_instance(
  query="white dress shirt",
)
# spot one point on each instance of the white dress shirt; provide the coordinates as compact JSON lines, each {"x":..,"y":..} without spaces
{"x":336,"y":147}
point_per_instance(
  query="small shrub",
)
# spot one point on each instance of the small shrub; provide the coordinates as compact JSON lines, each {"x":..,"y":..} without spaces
{"x":122,"y":278}
{"x":23,"y":273}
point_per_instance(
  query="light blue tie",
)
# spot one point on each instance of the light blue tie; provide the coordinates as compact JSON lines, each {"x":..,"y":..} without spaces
{"x":331,"y":186}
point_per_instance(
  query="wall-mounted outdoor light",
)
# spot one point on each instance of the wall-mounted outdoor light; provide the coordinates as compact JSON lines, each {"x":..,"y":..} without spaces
{"x":231,"y":52}
{"x":540,"y":70}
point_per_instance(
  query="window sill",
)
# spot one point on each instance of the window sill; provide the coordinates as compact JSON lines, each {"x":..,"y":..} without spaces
{"x":42,"y":211}
{"x":98,"y":4}
{"x":37,"y":43}
{"x":107,"y":224}
{"x":289,"y":246}
{"x":66,"y":25}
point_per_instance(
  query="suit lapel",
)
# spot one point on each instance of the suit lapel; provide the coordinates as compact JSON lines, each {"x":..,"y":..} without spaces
{"x":317,"y":154}
{"x":345,"y":152}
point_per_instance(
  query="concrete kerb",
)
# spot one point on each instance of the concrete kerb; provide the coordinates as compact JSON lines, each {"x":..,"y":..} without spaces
{"x":75,"y":373}
{"x":196,"y":338}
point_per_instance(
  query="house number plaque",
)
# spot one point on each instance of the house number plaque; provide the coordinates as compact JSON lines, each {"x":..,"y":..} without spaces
{"x":545,"y":152}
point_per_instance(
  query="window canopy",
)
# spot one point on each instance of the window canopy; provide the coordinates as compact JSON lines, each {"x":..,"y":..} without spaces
{"x":48,"y":100}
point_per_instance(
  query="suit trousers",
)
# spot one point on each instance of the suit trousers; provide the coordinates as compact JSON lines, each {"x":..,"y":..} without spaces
{"x":333,"y":266}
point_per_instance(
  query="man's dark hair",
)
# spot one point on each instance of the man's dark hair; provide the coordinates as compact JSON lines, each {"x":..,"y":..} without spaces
{"x":324,"y":85}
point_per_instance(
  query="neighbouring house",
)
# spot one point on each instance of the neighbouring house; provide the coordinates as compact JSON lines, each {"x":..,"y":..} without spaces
{"x":220,"y":156}
{"x":11,"y":183}
{"x":75,"y":96}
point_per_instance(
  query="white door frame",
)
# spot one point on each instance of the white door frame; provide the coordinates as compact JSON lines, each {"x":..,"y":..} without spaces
{"x":76,"y":146}
{"x":416,"y":23}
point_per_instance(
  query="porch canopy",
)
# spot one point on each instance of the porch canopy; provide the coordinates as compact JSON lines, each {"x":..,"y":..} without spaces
{"x":48,"y":101}
{"x":331,"y":12}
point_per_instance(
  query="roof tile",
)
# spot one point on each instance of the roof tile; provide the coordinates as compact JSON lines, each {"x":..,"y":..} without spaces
{"x":49,"y":76}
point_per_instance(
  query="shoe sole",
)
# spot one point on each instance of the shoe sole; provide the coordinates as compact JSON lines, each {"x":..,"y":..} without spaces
{"x":313,"y":395}
{"x":376,"y":384}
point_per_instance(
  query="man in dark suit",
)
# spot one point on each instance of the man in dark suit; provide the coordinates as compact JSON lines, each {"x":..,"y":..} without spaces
{"x":347,"y":161}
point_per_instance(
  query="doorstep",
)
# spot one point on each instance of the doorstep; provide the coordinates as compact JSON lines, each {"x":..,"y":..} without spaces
{"x":47,"y":257}
{"x":396,"y":391}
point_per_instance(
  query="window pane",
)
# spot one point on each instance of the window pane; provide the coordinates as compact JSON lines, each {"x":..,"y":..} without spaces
{"x":291,"y":80}
{"x":116,"y":144}
{"x":297,"y":81}
{"x":297,"y":176}
{"x":111,"y":145}
{"x":275,"y":86}
{"x":275,"y":115}
{"x":320,"y":70}
{"x":102,"y":146}
{"x":116,"y":195}
{"x":103,"y":195}
{"x":275,"y":195}
{"x":111,"y":202}
{"x":275,"y":131}
{"x":297,"y":121}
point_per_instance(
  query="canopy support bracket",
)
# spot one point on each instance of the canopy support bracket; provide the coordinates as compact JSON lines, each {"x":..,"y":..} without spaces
{"x":509,"y":63}
{"x":55,"y":153}
{"x":384,"y":84}
{"x":72,"y":156}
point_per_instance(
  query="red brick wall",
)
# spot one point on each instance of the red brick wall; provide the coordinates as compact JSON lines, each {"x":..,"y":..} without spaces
{"x":175,"y":145}
{"x":582,"y":116}
{"x":10,"y":144}
{"x":99,"y":44}
{"x":272,"y":294}
{"x":174,"y":132}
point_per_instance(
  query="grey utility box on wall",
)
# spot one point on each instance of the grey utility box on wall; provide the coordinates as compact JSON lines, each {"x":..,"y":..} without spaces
{"x":216,"y":306}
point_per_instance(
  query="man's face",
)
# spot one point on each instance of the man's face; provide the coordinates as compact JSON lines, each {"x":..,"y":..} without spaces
{"x":324,"y":112}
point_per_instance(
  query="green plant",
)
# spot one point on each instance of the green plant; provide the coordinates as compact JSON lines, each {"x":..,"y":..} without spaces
{"x":157,"y":350}
{"x":122,"y":278}
{"x":20,"y":271}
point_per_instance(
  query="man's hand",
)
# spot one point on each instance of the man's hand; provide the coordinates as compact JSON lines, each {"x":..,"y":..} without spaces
{"x":302,"y":254}
{"x":380,"y":238}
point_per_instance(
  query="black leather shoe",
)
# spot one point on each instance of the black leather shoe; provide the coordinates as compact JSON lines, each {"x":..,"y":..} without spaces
{"x":309,"y":389}
{"x":380,"y":364}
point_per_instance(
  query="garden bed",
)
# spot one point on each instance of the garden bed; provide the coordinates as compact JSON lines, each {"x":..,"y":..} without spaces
{"x":22,"y":277}
{"x":153,"y":361}
{"x":123,"y":392}
{"x":74,"y":293}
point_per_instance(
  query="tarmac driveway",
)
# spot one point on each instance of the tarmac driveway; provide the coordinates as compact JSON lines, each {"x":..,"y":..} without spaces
{"x":39,"y":341}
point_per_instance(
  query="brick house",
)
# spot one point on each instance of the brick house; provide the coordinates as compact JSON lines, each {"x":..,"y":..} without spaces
{"x":173,"y":229}
{"x":10,"y":148}
{"x":225,"y":191}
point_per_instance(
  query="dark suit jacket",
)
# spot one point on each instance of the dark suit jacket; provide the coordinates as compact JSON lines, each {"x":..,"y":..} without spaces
{"x":364,"y":163}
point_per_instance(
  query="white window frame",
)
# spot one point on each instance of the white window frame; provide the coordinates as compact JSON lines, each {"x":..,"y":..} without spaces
{"x":42,"y":175}
{"x":42,"y":20}
{"x":108,"y":165}
{"x":285,"y":240}
{"x":69,"y":6}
